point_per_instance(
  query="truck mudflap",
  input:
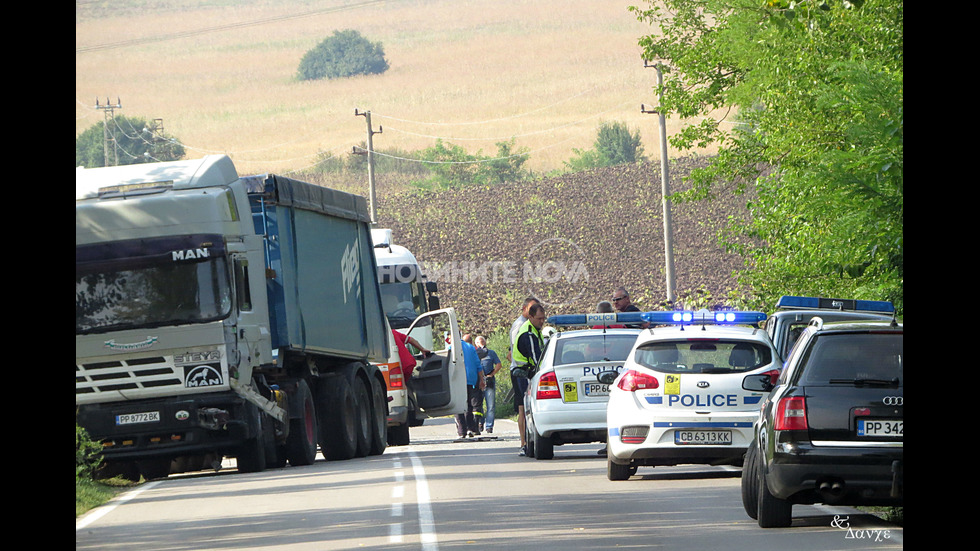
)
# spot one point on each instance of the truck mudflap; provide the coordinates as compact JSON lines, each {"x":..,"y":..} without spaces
{"x":169,"y":427}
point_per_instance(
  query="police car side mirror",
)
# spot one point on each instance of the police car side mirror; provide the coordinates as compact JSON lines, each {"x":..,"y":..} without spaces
{"x":758,"y":383}
{"x":607,"y":377}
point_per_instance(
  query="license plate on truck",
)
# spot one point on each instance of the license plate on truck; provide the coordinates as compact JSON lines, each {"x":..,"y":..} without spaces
{"x":702,"y":437}
{"x":881,"y":427}
{"x":142,"y":417}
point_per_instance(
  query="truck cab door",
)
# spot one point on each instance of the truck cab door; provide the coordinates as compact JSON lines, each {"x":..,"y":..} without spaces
{"x":439,"y":381}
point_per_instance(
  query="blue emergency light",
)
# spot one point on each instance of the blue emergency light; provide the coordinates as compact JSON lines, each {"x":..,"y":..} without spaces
{"x":793,"y":302}
{"x":673,"y":317}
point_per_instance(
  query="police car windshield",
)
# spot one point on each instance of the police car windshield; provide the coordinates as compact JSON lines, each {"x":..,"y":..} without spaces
{"x":703,"y":356}
{"x":855,"y":358}
{"x":593,"y":348}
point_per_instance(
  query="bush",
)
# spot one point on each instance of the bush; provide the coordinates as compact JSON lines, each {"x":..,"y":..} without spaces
{"x":614,"y":145}
{"x":88,"y":454}
{"x":344,"y":54}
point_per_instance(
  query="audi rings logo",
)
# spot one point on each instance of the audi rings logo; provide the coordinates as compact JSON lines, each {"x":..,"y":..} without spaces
{"x":892,"y":401}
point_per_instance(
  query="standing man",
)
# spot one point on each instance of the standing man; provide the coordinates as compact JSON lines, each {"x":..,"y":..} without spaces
{"x":621,"y":301}
{"x":491,"y":365}
{"x":520,"y":387}
{"x":466,"y":424}
{"x":528,"y":350}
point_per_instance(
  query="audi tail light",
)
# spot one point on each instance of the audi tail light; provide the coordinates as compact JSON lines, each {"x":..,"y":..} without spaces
{"x":791,"y":414}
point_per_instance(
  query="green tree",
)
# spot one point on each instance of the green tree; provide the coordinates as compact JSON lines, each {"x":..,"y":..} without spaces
{"x":614,"y":145}
{"x":134,"y":143}
{"x":450,"y":166}
{"x":344,"y":54}
{"x":816,"y":92}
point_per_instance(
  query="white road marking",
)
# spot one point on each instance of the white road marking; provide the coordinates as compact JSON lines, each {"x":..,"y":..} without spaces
{"x":100,"y":512}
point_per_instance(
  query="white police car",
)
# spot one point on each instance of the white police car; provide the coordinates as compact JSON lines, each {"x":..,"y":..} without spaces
{"x":679,"y":398}
{"x":565,"y":402}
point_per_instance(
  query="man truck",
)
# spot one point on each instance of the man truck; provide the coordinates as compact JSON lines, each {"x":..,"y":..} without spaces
{"x":218,"y":315}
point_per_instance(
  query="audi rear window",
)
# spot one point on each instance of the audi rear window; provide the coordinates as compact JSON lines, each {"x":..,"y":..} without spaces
{"x":703,"y":356}
{"x":855,"y":358}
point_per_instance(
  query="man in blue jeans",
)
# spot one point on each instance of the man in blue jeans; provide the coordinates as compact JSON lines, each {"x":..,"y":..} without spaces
{"x":491,"y":365}
{"x":466,"y":423}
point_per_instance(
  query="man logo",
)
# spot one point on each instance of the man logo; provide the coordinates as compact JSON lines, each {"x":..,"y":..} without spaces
{"x":202,"y":376}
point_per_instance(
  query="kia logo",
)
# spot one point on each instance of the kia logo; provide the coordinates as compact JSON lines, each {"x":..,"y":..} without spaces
{"x":703,"y":384}
{"x":892,"y":400}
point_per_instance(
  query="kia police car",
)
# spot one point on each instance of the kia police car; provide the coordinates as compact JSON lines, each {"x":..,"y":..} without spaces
{"x":680,"y":399}
{"x":565,"y":402}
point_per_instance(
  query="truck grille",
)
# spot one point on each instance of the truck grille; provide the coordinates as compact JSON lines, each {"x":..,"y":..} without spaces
{"x":133,"y":374}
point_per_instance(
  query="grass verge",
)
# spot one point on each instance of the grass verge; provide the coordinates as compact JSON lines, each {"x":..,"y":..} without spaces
{"x":89,"y":493}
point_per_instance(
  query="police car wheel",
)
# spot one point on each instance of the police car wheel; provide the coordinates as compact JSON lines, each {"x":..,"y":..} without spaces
{"x":615,"y":471}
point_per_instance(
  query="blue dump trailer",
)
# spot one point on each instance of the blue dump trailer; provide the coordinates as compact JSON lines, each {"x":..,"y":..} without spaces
{"x":224,"y":316}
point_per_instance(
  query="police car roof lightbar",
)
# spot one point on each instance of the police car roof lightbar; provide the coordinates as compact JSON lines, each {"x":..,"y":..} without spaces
{"x":674,"y":317}
{"x":687,"y":317}
{"x":792,"y":302}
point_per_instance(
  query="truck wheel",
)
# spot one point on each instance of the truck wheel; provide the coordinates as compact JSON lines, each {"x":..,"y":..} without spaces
{"x":338,"y":423}
{"x":750,"y":496}
{"x":301,"y":443}
{"x":251,"y":456}
{"x":275,"y":457}
{"x":773,"y":512}
{"x":398,"y":435}
{"x":362,"y":413}
{"x":379,"y":418}
{"x":154,"y":468}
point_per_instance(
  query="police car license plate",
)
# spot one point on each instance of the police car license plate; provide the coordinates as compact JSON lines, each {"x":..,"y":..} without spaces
{"x":881,"y":427}
{"x":703,"y":437}
{"x":596,"y":389}
{"x":143,"y":417}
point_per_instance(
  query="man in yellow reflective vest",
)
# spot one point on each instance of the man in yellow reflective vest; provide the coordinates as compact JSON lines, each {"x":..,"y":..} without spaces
{"x":528,"y":348}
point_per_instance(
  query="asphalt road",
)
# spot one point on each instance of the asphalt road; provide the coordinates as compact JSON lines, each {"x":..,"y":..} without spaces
{"x":441,"y":494}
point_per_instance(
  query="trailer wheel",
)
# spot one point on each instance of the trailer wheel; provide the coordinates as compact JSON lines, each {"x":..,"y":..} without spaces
{"x":363,"y":409}
{"x":301,"y":443}
{"x":379,"y":418}
{"x":338,"y":423}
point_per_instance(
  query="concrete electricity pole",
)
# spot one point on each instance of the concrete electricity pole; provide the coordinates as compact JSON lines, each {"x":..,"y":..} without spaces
{"x":664,"y":183}
{"x":107,"y":136}
{"x":370,"y":156}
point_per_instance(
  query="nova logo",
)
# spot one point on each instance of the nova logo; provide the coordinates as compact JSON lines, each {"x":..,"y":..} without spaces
{"x":191,"y":254}
{"x":350,"y":269}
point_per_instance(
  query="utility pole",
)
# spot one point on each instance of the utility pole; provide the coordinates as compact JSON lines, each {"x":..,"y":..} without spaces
{"x":664,"y":182}
{"x":370,"y":156}
{"x":107,"y":137}
{"x":155,"y":130}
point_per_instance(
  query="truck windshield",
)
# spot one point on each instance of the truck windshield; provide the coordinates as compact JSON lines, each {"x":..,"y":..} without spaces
{"x":402,"y":302}
{"x":152,"y":295}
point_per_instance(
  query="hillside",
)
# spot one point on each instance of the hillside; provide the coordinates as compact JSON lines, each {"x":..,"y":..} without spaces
{"x":569,"y":240}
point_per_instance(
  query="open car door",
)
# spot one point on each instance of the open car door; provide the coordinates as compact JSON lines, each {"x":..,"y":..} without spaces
{"x":439,"y":380}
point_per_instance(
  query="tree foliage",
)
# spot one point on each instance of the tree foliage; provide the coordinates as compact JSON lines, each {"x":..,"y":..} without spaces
{"x":343,"y":54}
{"x":614,"y":145}
{"x":451,"y":167}
{"x":132,"y":141}
{"x":815,"y":89}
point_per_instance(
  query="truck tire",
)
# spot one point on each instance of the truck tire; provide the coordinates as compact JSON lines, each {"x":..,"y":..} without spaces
{"x":301,"y":443}
{"x":379,"y":417}
{"x":363,"y":406}
{"x":398,"y":435}
{"x":154,"y":468}
{"x":338,"y":422}
{"x":251,"y":456}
